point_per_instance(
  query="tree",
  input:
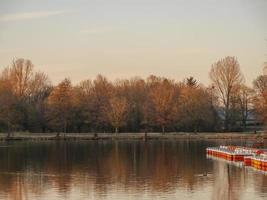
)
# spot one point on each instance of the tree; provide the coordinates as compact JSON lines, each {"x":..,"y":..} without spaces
{"x":117,"y":112}
{"x":195,"y":109}
{"x":164,"y":100}
{"x":225,"y":75}
{"x":39,"y":90}
{"x":134,"y":91}
{"x":102,"y":90}
{"x":147,"y":112}
{"x":191,"y":82}
{"x":260,"y":99}
{"x":260,"y":84}
{"x":20,"y":74}
{"x":29,"y":102}
{"x":245,"y":98}
{"x":31,"y":89}
{"x":84,"y":100}
{"x":60,"y":103}
{"x":9,"y":113}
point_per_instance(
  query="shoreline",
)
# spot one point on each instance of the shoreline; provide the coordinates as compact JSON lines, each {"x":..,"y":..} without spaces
{"x":133,"y":136}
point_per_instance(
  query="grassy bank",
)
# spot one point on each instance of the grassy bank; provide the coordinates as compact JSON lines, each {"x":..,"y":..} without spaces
{"x":127,"y":136}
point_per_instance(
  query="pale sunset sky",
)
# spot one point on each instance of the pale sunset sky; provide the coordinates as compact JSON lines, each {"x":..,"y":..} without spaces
{"x":124,"y":38}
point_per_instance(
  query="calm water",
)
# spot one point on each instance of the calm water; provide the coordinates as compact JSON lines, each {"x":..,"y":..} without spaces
{"x":122,"y":170}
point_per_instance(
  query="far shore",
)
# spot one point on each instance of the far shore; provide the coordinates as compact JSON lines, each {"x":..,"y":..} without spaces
{"x":129,"y":136}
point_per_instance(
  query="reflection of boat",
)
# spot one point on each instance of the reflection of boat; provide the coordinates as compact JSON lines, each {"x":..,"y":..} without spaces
{"x":255,"y":144}
{"x":230,"y":162}
{"x":258,"y":145}
{"x":226,"y":180}
{"x":256,"y":158}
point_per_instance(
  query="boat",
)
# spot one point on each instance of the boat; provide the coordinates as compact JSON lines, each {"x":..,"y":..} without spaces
{"x":252,"y":157}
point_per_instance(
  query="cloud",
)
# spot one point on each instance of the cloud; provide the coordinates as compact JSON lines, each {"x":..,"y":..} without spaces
{"x":30,"y":15}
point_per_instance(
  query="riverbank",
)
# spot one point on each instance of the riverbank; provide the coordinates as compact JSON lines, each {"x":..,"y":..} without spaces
{"x":129,"y":136}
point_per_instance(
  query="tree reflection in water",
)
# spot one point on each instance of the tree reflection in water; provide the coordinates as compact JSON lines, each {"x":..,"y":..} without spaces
{"x":228,"y":181}
{"x":118,"y":169}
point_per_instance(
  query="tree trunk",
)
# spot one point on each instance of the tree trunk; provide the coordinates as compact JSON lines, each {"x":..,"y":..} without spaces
{"x":65,"y":126}
{"x":8,"y":130}
{"x":226,"y":120}
{"x":145,"y":138}
{"x":163,"y":129}
{"x":58,"y":134}
{"x":43,"y":129}
{"x":116,"y":130}
{"x":244,"y":124}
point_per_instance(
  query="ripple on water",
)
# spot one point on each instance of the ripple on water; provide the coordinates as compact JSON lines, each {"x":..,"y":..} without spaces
{"x":123,"y":170}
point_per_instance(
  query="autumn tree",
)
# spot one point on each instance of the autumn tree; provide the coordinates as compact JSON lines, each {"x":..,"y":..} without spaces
{"x":234,"y":113}
{"x":147,"y":110}
{"x":191,"y":82}
{"x":137,"y":98}
{"x":21,"y":76}
{"x":84,"y":102}
{"x":135,"y":91}
{"x":117,"y":112}
{"x":245,"y":100}
{"x":9,"y":113}
{"x":225,"y":76}
{"x":147,"y":114}
{"x":164,"y":101}
{"x":102,"y":90}
{"x":195,"y":109}
{"x":40,"y":89}
{"x":60,"y":104}
{"x":98,"y":105}
{"x":30,"y":88}
{"x":260,"y":99}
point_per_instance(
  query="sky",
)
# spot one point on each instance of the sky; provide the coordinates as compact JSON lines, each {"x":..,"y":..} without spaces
{"x":79,"y":39}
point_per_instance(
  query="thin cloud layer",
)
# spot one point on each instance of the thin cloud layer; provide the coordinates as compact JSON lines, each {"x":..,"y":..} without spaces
{"x":30,"y":15}
{"x":94,"y":30}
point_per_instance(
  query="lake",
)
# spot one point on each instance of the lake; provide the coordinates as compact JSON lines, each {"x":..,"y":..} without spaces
{"x":105,"y":170}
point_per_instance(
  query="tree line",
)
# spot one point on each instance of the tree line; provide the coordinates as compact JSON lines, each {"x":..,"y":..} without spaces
{"x":29,"y":102}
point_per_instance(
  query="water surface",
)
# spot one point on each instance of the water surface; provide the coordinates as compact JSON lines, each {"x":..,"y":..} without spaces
{"x":123,"y":170}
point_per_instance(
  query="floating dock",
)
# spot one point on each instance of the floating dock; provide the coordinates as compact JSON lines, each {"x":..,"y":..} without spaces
{"x":256,"y":158}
